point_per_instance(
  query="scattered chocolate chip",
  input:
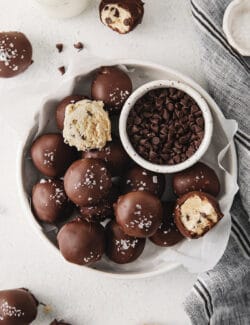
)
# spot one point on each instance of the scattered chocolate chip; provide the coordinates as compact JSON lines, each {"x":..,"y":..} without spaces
{"x":79,"y":46}
{"x":59,"y":47}
{"x":62,"y":70}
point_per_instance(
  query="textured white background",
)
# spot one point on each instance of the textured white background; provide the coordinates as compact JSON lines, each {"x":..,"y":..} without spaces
{"x":166,"y":36}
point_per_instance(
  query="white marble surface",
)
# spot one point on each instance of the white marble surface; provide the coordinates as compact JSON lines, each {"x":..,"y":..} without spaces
{"x":167,"y":37}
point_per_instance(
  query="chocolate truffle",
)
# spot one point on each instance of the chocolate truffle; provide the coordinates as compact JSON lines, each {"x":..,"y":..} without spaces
{"x":61,"y":108}
{"x":140,"y":179}
{"x":114,"y":156}
{"x":87,"y":181}
{"x":139,"y":214}
{"x":17,"y":307}
{"x":15,"y":54}
{"x":112,"y":86}
{"x":51,"y":155}
{"x":121,"y":16}
{"x":199,"y":177}
{"x":97,"y":212}
{"x":81,"y":242}
{"x":196,"y":213}
{"x":167,"y":234}
{"x":49,"y":200}
{"x":121,"y":248}
{"x":59,"y":322}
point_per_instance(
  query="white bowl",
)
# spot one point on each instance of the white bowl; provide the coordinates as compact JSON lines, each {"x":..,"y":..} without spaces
{"x":141,"y":91}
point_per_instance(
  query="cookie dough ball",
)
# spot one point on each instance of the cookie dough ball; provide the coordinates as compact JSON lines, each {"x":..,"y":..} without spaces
{"x":87,"y":182}
{"x":139,"y":214}
{"x":122,"y":16}
{"x":121,"y":248}
{"x":167,"y":234}
{"x":196,"y":213}
{"x":17,"y":307}
{"x":140,"y":179}
{"x":49,"y":200}
{"x":81,"y":242}
{"x":15,"y":54}
{"x":199,"y":177}
{"x":98,"y":212}
{"x":51,"y":155}
{"x":112,"y":86}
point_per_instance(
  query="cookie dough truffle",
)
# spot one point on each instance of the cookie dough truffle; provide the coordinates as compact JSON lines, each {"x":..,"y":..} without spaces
{"x":140,"y":179}
{"x":199,"y":177}
{"x":121,"y":15}
{"x":139,"y":214}
{"x":87,"y":181}
{"x":15,"y":54}
{"x":81,"y":242}
{"x":121,"y":248}
{"x":49,"y":200}
{"x":112,"y":86}
{"x":51,"y":155}
{"x":86,"y":125}
{"x":98,"y":212}
{"x":167,"y":234}
{"x":196,"y":213}
{"x":17,"y":307}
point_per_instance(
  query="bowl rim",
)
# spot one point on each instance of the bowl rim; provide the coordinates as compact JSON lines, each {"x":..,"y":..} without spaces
{"x":140,"y":92}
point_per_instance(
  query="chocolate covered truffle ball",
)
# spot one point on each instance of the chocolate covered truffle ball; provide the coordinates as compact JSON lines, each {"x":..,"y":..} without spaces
{"x":196,"y":213}
{"x":87,"y":182}
{"x":49,"y":200}
{"x":114,"y":156}
{"x":59,"y":322}
{"x":199,"y":177}
{"x":140,"y":179}
{"x":51,"y":155}
{"x":139,"y":214}
{"x":17,"y":307}
{"x":121,"y":16}
{"x":61,"y":108}
{"x":167,"y":234}
{"x":112,"y":86}
{"x":15,"y":54}
{"x":81,"y":242}
{"x":121,"y":248}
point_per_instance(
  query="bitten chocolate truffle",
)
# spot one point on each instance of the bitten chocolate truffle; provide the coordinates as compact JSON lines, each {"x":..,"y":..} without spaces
{"x":17,"y":307}
{"x":167,"y":234}
{"x":199,"y":177}
{"x":51,"y":155}
{"x":112,"y":86}
{"x":15,"y":54}
{"x":139,"y":214}
{"x":121,"y":248}
{"x":121,"y":15}
{"x":196,"y":213}
{"x":61,"y":108}
{"x":81,"y":242}
{"x":140,"y":179}
{"x":49,"y":200}
{"x":59,"y":322}
{"x":87,"y":181}
{"x":114,"y":156}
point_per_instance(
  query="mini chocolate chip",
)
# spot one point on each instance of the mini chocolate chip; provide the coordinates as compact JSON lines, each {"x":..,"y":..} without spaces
{"x":62,"y":70}
{"x":59,"y":47}
{"x":79,"y":46}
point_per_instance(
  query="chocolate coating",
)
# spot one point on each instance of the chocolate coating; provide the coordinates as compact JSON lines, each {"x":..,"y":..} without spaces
{"x":139,"y":214}
{"x":61,"y":108}
{"x":51,"y":155}
{"x":49,"y":200}
{"x":121,"y":248}
{"x":140,"y":179}
{"x":199,"y":177}
{"x":87,"y":181}
{"x":17,"y":307}
{"x":112,"y":86}
{"x":114,"y":156}
{"x":60,"y":322}
{"x":167,"y":234}
{"x":81,"y":242}
{"x":15,"y":54}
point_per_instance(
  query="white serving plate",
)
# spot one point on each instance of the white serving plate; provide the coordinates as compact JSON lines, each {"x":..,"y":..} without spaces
{"x":143,"y":72}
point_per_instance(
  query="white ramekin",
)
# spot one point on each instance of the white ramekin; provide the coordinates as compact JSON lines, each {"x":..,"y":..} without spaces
{"x":138,"y":93}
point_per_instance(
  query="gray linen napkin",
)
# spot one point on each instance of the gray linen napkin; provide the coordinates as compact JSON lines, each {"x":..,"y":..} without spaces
{"x":222,"y":295}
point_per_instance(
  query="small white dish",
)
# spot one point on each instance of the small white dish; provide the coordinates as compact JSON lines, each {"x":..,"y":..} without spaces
{"x":236,"y":26}
{"x":140,"y":92}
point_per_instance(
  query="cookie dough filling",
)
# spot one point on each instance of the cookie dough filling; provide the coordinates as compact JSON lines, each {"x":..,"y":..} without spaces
{"x":116,"y":17}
